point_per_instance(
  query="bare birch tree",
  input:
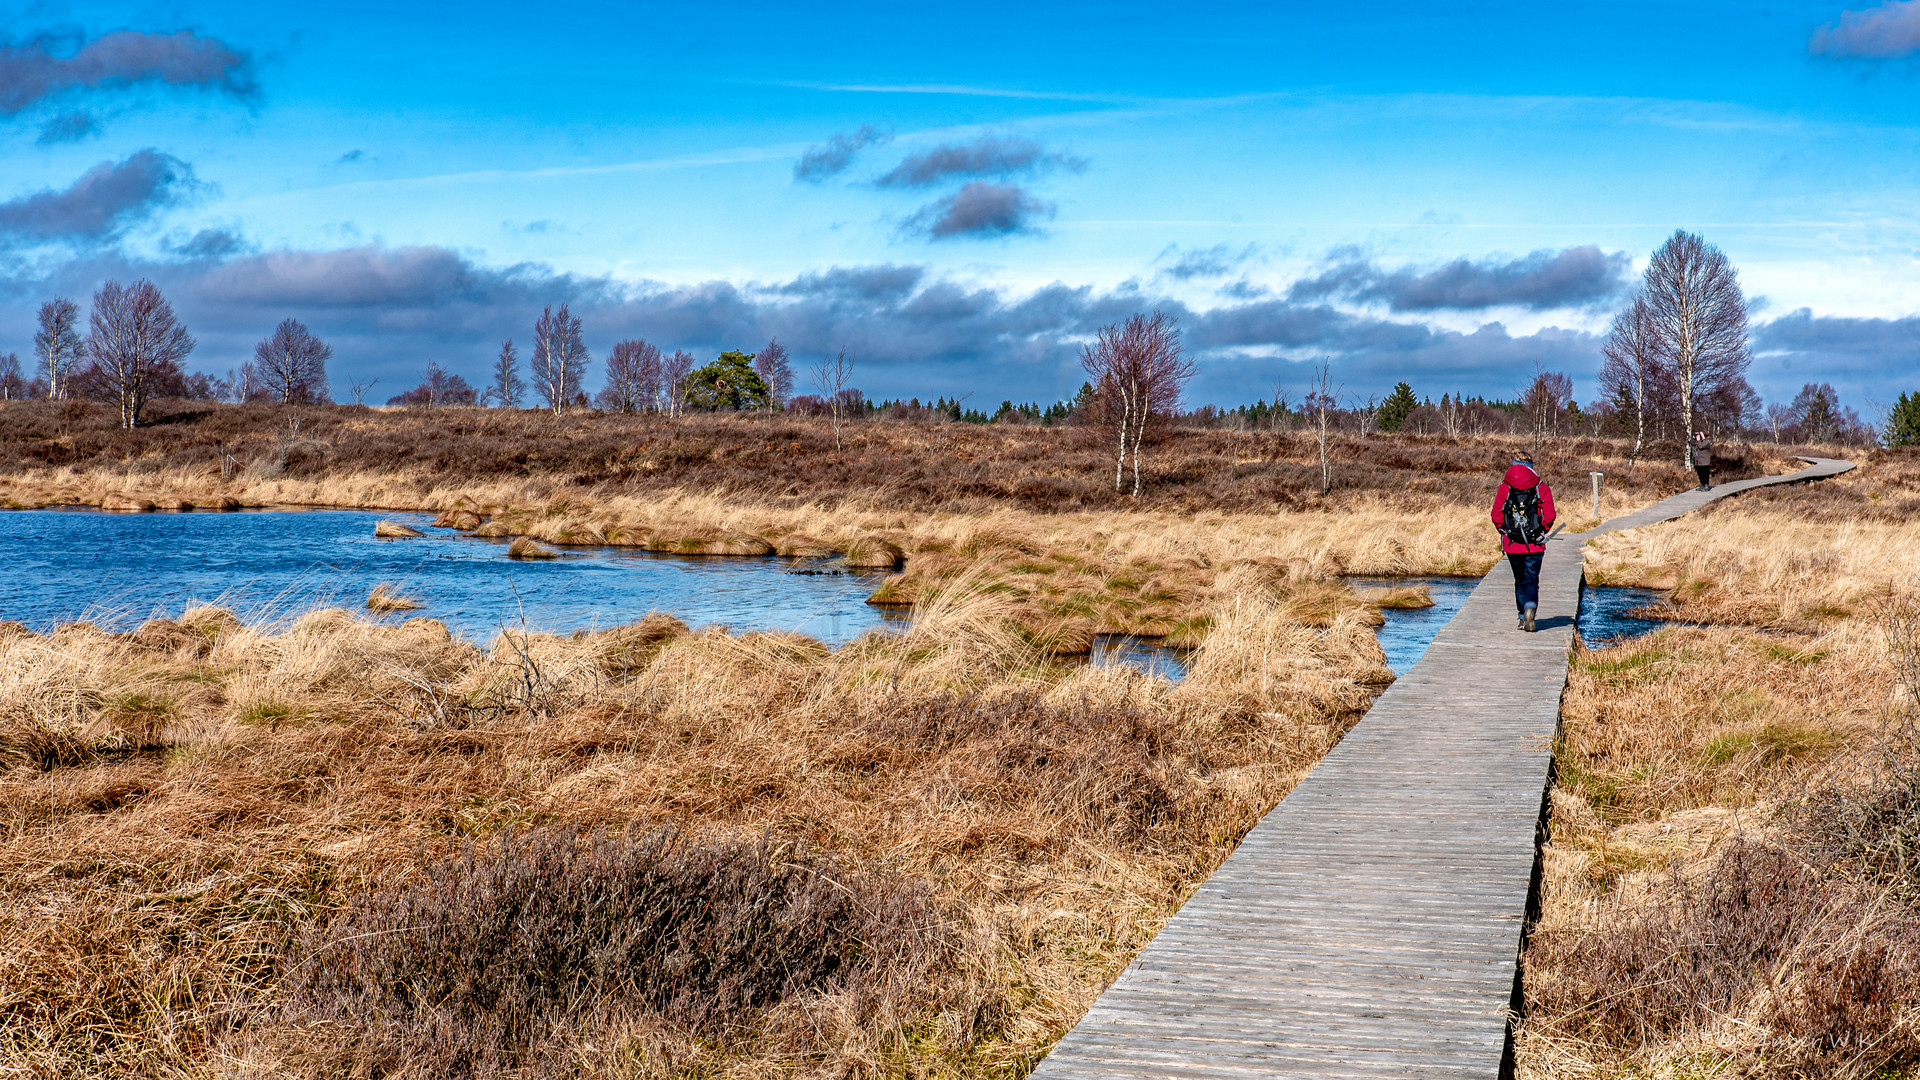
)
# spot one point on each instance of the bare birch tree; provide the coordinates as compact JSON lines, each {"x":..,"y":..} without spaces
{"x":13,"y":386}
{"x":56,"y":344}
{"x":137,"y":344}
{"x":1545,"y":401}
{"x":360,"y":388}
{"x":507,"y":386}
{"x":629,"y":366}
{"x":1138,"y":368}
{"x":559,"y":357}
{"x":1320,"y":405}
{"x":1698,"y":321}
{"x":1627,"y":375}
{"x":832,"y":377}
{"x":776,"y":370}
{"x":675,"y":370}
{"x":293,"y":363}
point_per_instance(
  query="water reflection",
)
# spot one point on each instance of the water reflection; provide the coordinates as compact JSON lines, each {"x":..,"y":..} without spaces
{"x":1606,"y":614}
{"x":1144,"y":654}
{"x":1407,"y":632}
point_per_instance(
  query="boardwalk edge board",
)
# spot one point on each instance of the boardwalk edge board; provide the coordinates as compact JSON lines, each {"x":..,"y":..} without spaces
{"x":1370,"y":924}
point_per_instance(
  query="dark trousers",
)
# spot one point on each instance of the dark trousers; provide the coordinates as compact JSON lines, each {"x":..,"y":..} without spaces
{"x":1703,"y":470}
{"x":1526,"y":578}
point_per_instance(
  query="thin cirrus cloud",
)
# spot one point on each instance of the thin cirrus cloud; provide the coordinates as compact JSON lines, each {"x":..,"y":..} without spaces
{"x":980,"y":209}
{"x":1217,"y":261}
{"x":102,"y":203}
{"x":37,"y":70}
{"x":832,"y":157}
{"x":1543,"y":280}
{"x":1890,"y":30}
{"x":989,"y":155}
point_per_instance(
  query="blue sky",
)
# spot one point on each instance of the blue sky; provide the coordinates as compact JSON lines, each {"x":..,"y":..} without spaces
{"x":1447,"y":195}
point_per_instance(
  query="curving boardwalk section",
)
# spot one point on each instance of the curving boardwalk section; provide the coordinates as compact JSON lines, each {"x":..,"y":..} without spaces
{"x":1370,"y":925}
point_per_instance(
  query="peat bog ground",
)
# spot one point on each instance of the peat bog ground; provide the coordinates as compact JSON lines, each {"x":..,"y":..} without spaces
{"x":337,"y":846}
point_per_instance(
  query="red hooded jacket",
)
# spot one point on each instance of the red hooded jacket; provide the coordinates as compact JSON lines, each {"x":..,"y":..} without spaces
{"x":1521,"y":475}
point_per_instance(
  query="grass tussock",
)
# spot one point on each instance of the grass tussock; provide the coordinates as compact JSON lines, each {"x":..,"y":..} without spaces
{"x":923,"y":852}
{"x":394,"y":530}
{"x":1730,"y":885}
{"x":387,"y":596}
{"x":526,"y":547}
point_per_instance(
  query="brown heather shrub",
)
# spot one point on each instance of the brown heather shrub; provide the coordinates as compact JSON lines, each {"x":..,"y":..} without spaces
{"x":504,"y":960}
{"x":915,"y":466}
{"x":1826,"y":967}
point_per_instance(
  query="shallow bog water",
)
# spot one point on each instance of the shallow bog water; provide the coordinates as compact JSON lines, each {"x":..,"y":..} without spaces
{"x":120,"y":569}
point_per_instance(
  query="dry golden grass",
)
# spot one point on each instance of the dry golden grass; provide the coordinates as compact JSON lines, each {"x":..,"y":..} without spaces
{"x":1701,"y":912}
{"x":185,"y":805}
{"x":1801,"y":558}
{"x":387,"y":596}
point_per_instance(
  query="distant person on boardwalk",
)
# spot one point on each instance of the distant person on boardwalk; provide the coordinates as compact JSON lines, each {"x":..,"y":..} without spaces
{"x":1523,"y":512}
{"x":1702,"y":458}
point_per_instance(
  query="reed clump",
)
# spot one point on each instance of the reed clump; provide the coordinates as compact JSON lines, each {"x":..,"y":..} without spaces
{"x":394,"y":530}
{"x":387,"y":596}
{"x":922,"y":852}
{"x":526,"y":547}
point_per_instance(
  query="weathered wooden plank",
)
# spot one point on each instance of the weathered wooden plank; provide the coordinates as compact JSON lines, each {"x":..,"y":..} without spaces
{"x":1370,"y":924}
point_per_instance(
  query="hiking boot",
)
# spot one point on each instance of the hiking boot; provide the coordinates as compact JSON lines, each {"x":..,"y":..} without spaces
{"x":1526,"y":621}
{"x":1521,"y":623}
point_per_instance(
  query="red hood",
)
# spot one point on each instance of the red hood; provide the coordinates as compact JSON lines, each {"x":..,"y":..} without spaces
{"x":1521,"y":476}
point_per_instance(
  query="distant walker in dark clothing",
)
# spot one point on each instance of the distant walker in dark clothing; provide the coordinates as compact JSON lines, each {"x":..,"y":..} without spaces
{"x":1702,"y":458}
{"x":1523,"y":512}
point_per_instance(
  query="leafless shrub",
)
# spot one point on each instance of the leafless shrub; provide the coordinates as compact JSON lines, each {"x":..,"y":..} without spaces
{"x":503,"y":960}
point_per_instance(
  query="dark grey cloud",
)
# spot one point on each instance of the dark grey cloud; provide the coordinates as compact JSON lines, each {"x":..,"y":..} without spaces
{"x":1217,"y":261}
{"x":1867,"y":359}
{"x":1544,"y":280}
{"x":68,"y":127}
{"x":833,"y":156}
{"x":210,"y":244}
{"x":49,"y":65}
{"x":988,"y":155}
{"x":105,"y":200}
{"x":980,"y":209}
{"x":911,"y":330}
{"x":861,"y":282}
{"x":1889,"y":30}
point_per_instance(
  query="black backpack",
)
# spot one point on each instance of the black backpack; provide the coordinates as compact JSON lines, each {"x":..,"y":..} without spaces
{"x":1521,"y":514}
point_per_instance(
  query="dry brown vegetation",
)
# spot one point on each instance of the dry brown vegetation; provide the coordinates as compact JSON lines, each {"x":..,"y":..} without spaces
{"x":348,"y":455}
{"x":1027,"y":505}
{"x":340,"y":846}
{"x":1732,"y":886}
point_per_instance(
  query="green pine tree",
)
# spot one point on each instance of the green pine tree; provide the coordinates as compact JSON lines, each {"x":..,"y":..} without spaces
{"x":728,"y":383}
{"x":1394,"y":410}
{"x":1903,"y":424}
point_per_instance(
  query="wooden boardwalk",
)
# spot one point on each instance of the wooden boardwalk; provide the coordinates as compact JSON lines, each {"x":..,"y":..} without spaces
{"x":1370,"y":924}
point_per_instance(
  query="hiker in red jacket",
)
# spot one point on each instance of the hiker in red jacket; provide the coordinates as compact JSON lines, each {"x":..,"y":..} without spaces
{"x":1523,"y":512}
